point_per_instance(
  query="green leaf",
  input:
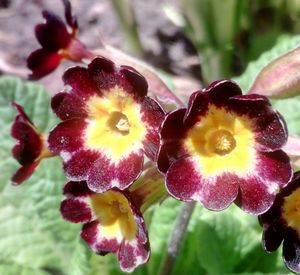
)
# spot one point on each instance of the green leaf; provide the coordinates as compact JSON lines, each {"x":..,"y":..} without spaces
{"x":284,"y":45}
{"x":34,"y":238}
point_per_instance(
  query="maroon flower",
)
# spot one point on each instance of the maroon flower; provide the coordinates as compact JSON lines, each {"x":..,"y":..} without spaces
{"x":225,"y":147}
{"x":282,"y":223}
{"x":108,"y":125}
{"x":29,"y":149}
{"x":112,"y":223}
{"x":57,"y":43}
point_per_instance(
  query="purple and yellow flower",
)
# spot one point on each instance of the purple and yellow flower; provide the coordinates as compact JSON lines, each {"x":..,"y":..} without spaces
{"x":29,"y":149}
{"x":109,"y":124}
{"x":281,"y":223}
{"x":58,"y":42}
{"x":225,"y":147}
{"x":112,"y":223}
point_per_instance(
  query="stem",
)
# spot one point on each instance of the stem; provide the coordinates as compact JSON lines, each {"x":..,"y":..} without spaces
{"x":177,"y":236}
{"x":128,"y":23}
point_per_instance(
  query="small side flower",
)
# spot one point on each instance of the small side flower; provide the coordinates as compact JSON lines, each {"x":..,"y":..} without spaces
{"x":225,"y":147}
{"x":29,"y":149}
{"x":281,"y":223}
{"x":112,"y":223}
{"x":58,"y":41}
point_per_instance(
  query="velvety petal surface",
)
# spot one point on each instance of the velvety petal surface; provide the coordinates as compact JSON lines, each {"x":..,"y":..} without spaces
{"x":24,"y":172}
{"x":53,"y":34}
{"x":269,"y":126}
{"x":42,"y":62}
{"x":105,"y":175}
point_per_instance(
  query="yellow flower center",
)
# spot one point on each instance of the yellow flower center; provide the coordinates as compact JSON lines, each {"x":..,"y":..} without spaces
{"x":220,"y":142}
{"x":115,"y":124}
{"x":291,"y":210}
{"x":114,"y":214}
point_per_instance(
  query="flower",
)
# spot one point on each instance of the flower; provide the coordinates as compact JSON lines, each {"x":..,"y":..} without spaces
{"x":282,"y":223}
{"x":57,"y":43}
{"x":112,"y":223}
{"x":108,"y":125}
{"x":225,"y":147}
{"x":29,"y":149}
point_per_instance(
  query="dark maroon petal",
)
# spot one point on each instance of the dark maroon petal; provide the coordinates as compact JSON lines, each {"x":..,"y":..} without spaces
{"x":275,"y":168}
{"x":29,"y":142}
{"x":75,"y":210}
{"x":220,"y":91}
{"x":183,"y":179}
{"x":78,"y":166}
{"x":24,"y":172}
{"x":70,"y":19}
{"x":137,"y":82}
{"x":81,"y":83}
{"x":172,"y":127}
{"x":77,"y":189}
{"x":168,"y":153}
{"x":291,"y":251}
{"x":22,"y":115}
{"x":67,"y":136}
{"x":152,"y":117}
{"x":254,"y":196}
{"x":218,"y":94}
{"x":218,"y":192}
{"x":215,"y":193}
{"x":268,"y":125}
{"x":272,"y":237}
{"x":89,"y":233}
{"x":53,"y":34}
{"x":68,"y":106}
{"x":130,"y":256}
{"x":42,"y":62}
{"x":105,"y":175}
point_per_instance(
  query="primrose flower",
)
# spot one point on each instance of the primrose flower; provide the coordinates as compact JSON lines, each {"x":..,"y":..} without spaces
{"x":108,"y":125}
{"x":29,"y":149}
{"x":57,"y":43}
{"x":282,"y":223}
{"x":112,"y":223}
{"x":225,"y":147}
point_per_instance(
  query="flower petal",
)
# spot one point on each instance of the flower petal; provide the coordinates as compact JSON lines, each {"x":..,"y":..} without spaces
{"x":272,"y":237}
{"x":42,"y":62}
{"x":91,"y":233}
{"x":78,"y":165}
{"x":29,"y":142}
{"x":67,"y":137}
{"x":169,"y":153}
{"x":75,"y":210}
{"x":269,"y":126}
{"x":76,"y":189}
{"x":105,"y":175}
{"x":172,"y":127}
{"x":24,"y":172}
{"x":53,"y":34}
{"x":68,"y":106}
{"x":254,"y":196}
{"x":215,"y":193}
{"x":275,"y":168}
{"x":152,"y":116}
{"x":79,"y":80}
{"x":291,"y":251}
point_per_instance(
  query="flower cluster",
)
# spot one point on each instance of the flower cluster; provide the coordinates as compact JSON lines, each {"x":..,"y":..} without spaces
{"x":119,"y":147}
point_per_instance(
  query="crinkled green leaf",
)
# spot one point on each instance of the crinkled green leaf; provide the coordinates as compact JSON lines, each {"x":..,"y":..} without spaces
{"x":34,"y":238}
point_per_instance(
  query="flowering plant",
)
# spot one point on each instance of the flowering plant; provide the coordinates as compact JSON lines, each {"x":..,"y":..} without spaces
{"x":116,"y":161}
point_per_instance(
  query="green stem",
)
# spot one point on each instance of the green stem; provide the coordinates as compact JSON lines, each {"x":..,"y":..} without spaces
{"x":177,"y":237}
{"x":128,"y":23}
